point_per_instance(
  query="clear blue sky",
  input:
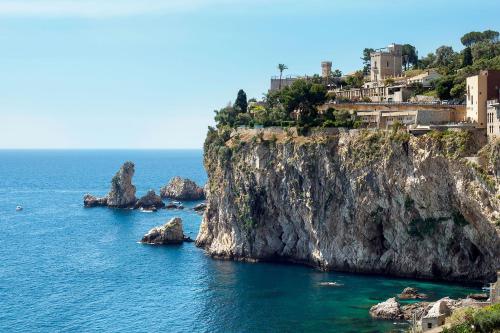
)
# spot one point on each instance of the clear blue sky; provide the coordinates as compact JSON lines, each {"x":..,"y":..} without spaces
{"x":149,"y":73}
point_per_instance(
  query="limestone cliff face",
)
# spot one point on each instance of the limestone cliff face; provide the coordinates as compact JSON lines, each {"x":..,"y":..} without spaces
{"x":367,"y":202}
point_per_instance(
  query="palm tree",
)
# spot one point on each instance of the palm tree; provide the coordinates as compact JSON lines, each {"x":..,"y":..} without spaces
{"x":281,"y":68}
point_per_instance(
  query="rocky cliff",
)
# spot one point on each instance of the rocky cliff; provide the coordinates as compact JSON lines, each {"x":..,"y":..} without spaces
{"x":371,"y":202}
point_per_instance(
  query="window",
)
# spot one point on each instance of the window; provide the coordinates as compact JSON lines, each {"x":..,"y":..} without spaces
{"x":387,"y":64}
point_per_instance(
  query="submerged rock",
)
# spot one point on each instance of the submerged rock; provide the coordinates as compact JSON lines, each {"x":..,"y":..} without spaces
{"x":411,"y":293}
{"x":182,"y":189}
{"x":151,"y":201}
{"x":389,"y":309}
{"x":172,"y":205}
{"x":170,"y":233}
{"x":200,"y":208}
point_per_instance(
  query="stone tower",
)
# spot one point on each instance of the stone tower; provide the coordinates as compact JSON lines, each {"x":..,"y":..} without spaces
{"x":326,"y":69}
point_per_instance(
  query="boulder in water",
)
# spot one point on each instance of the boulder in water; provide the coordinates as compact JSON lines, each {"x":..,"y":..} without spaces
{"x":389,"y":309}
{"x":151,"y":201}
{"x":200,"y":208}
{"x":90,"y":201}
{"x":170,"y":233}
{"x":182,"y":189}
{"x":172,"y":205}
{"x":411,"y":293}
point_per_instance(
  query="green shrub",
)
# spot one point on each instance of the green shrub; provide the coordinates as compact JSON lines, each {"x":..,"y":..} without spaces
{"x":488,"y":319}
{"x":453,"y":143}
{"x":459,"y":219}
{"x":420,"y":227}
{"x":409,"y":202}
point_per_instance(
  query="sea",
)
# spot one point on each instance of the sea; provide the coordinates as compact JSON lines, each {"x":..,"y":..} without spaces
{"x":65,"y":268}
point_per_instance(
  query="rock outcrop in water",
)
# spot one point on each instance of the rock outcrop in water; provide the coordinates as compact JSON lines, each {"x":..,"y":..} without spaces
{"x":366,"y":201}
{"x":392,"y":309}
{"x":182,"y":189}
{"x":91,"y":201}
{"x":389,"y":309}
{"x":151,"y":201}
{"x":170,"y":233}
{"x":121,"y":194}
{"x":411,"y":293}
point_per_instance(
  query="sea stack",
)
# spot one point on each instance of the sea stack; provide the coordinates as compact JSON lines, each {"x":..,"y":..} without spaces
{"x":121,"y":194}
{"x":170,"y":233}
{"x":182,"y":189}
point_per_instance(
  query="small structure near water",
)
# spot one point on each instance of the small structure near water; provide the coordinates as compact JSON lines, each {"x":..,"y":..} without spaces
{"x":436,"y":316}
{"x":495,"y":290}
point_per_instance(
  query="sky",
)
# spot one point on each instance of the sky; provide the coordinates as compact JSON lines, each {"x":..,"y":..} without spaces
{"x":148,"y":74}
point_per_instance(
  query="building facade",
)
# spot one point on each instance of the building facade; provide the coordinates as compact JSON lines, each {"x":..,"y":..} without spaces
{"x":326,"y":69}
{"x":385,"y":119}
{"x":425,"y":79}
{"x":495,"y":290}
{"x":277,"y":83}
{"x":481,"y":88}
{"x":493,"y":119}
{"x":386,"y":63}
{"x":436,"y":316}
{"x":375,"y":93}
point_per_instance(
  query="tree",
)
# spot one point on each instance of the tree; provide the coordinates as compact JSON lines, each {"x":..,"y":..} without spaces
{"x":410,"y":56}
{"x":491,"y":36}
{"x":301,"y":98}
{"x":241,"y":102}
{"x":475,"y":37}
{"x":467,"y":57}
{"x":367,"y":58}
{"x":427,"y":61}
{"x":281,"y":68}
{"x":471,"y":38}
{"x":458,"y":90}
{"x":444,"y":56}
{"x":485,"y":50}
{"x":356,"y":80}
{"x":337,"y":73}
{"x":444,"y":86}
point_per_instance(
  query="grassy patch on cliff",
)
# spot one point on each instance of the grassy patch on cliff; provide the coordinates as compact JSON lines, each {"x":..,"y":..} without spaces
{"x":453,"y":144}
{"x":420,"y":227}
{"x":491,"y":155}
{"x":371,"y":146}
{"x":469,"y":320}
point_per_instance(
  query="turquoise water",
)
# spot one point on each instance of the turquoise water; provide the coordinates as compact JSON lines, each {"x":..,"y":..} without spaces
{"x":70,"y":269}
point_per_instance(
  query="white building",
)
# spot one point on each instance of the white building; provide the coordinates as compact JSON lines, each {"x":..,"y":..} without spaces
{"x":426,"y":78}
{"x":436,"y":316}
